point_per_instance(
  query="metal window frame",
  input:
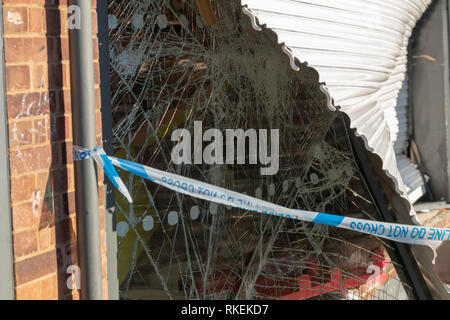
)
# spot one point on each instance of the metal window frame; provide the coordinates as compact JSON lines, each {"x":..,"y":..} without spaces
{"x":446,"y":47}
{"x":106,"y":110}
{"x":6,"y":245}
{"x":400,"y":253}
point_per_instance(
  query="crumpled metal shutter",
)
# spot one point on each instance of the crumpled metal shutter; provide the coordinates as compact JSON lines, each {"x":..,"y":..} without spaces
{"x":359,"y":49}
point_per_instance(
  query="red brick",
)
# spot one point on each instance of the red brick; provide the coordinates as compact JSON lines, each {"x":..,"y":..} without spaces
{"x":99,"y":140}
{"x":36,"y":267}
{"x":44,"y":2}
{"x":96,"y":49}
{"x":43,"y":182}
{"x":47,"y":237}
{"x":67,"y":101}
{"x":66,"y":75}
{"x":20,"y":133}
{"x":25,"y":243}
{"x":96,"y":72}
{"x":39,"y":77}
{"x":23,"y":217}
{"x":103,"y":242}
{"x":17,"y":1}
{"x":101,"y":193}
{"x":49,"y":288}
{"x":36,"y":20}
{"x":15,"y":20}
{"x":28,"y":160}
{"x":30,"y":104}
{"x":64,"y":18}
{"x":98,"y":103}
{"x":64,"y":48}
{"x":104,"y":265}
{"x":71,"y":178}
{"x":98,"y":123}
{"x":22,"y":188}
{"x":17,"y":78}
{"x":29,"y":291}
{"x":42,"y":131}
{"x":26,"y":50}
{"x":102,"y":218}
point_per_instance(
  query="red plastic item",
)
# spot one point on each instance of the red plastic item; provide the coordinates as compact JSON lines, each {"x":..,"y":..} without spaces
{"x":269,"y":288}
{"x":337,"y":283}
{"x":309,"y":285}
{"x":378,"y":258}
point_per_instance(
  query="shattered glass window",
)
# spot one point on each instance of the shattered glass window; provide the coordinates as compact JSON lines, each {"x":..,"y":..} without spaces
{"x":169,"y":70}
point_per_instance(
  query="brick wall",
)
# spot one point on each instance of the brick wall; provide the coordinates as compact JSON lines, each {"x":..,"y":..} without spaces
{"x":40,"y":138}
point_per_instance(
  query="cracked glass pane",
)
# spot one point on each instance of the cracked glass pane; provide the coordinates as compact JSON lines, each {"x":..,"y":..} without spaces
{"x":170,"y":70}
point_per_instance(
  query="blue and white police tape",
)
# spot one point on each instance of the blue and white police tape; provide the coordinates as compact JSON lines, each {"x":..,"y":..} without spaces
{"x":411,"y":234}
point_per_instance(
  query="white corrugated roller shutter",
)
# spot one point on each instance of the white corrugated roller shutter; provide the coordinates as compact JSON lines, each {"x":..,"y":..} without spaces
{"x":359,"y":49}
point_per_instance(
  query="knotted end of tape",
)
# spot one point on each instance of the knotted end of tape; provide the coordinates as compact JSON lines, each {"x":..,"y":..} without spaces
{"x":102,"y":160}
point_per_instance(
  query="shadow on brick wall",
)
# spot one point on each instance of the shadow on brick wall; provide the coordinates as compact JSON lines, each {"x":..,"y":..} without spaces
{"x":59,"y":198}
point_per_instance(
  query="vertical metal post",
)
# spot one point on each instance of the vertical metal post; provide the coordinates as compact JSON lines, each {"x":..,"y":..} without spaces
{"x":6,"y":251}
{"x":84,"y":135}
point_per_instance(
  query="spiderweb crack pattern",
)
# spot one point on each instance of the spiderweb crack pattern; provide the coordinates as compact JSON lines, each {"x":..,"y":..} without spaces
{"x":169,"y":71}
